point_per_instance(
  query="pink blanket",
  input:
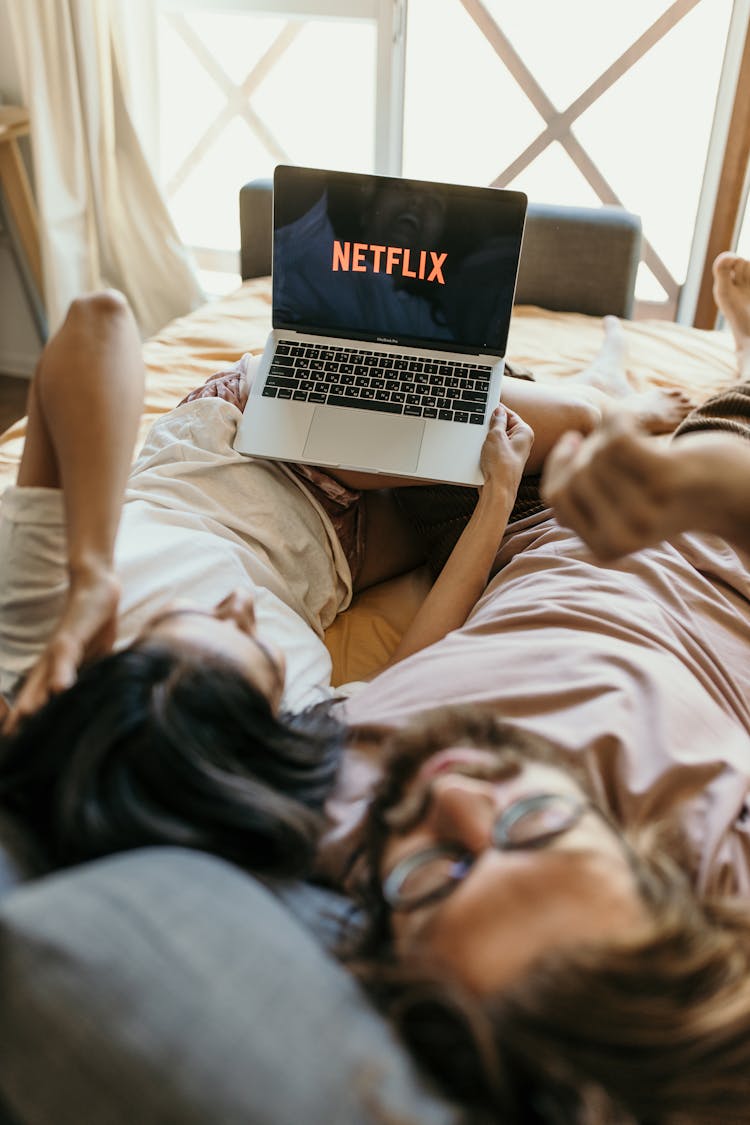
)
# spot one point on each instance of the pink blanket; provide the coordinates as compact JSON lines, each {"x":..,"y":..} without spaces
{"x":644,"y":667}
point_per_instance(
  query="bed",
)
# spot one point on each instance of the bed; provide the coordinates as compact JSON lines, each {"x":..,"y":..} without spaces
{"x":165,"y":985}
{"x":573,"y":259}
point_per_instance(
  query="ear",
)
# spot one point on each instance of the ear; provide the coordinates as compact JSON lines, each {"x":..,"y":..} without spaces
{"x":4,"y":710}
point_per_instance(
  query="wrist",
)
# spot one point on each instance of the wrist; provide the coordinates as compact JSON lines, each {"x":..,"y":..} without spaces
{"x":498,"y":496}
{"x":90,"y":569}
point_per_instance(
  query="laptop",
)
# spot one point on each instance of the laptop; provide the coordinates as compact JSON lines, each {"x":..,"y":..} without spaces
{"x":392,"y":301}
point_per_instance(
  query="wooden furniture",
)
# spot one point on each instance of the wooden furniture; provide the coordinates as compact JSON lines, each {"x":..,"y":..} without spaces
{"x":730,"y":195}
{"x":14,"y":183}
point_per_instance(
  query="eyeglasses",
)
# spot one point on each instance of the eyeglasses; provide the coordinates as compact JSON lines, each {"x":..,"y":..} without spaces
{"x":530,"y":822}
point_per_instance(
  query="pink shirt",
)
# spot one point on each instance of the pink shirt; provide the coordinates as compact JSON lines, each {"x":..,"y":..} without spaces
{"x":643,"y":666}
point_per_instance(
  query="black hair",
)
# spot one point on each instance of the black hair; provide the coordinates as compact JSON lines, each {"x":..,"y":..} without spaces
{"x":402,"y":752}
{"x":154,"y":747}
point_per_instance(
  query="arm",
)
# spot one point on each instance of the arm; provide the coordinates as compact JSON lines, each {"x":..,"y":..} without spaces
{"x":465,"y":575}
{"x":84,"y":406}
{"x":621,"y":491}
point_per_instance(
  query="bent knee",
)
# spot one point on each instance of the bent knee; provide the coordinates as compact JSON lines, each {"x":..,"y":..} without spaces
{"x":581,"y":415}
{"x":103,"y":304}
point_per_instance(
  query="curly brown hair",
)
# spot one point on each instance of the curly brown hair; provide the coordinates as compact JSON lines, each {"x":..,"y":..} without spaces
{"x":653,"y":1028}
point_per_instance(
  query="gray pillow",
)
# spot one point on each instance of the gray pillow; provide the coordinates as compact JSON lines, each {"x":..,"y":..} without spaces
{"x":166,"y":986}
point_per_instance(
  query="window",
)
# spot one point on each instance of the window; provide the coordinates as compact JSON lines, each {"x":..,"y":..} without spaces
{"x":246,"y":85}
{"x":578,"y":103}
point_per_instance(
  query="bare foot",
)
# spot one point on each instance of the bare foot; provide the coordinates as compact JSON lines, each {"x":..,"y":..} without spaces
{"x":607,"y":369}
{"x":659,"y":411}
{"x":732,"y":295}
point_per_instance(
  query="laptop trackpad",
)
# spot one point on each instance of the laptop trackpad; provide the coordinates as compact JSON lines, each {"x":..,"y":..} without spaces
{"x":356,"y":440}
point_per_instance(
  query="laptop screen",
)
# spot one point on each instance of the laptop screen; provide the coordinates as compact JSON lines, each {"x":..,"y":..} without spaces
{"x":395,"y":260}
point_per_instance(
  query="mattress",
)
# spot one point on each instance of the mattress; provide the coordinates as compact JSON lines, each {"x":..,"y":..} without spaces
{"x":554,"y":345}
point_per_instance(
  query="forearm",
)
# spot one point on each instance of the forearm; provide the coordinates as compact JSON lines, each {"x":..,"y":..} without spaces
{"x":620,"y":491}
{"x":85,"y":404}
{"x":464,"y":576}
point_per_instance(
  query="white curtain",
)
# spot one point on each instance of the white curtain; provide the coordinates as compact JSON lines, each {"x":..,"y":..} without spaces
{"x":103,"y":219}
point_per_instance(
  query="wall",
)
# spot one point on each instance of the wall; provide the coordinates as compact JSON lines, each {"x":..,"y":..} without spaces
{"x":19,"y":339}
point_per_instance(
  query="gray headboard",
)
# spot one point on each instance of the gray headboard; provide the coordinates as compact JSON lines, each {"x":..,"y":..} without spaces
{"x":574,"y":259}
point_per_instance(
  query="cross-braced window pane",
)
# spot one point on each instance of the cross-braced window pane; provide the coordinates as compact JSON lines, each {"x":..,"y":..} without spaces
{"x":243,"y":91}
{"x":577,"y":103}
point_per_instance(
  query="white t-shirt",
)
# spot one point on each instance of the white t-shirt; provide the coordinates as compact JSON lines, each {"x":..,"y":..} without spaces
{"x":199,"y":521}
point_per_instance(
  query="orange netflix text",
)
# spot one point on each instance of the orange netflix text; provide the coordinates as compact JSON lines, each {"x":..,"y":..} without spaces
{"x":358,"y":256}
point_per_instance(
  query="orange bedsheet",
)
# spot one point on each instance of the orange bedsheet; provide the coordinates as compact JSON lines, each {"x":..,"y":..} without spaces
{"x":554,"y":345}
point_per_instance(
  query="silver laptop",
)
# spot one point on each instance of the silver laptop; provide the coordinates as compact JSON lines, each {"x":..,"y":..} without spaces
{"x":391,"y":307}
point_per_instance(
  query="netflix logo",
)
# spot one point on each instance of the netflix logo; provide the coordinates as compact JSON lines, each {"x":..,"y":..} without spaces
{"x":356,"y":256}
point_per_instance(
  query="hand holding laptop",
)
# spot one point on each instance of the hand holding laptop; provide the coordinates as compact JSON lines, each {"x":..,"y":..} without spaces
{"x":391,"y":308}
{"x":505,"y":451}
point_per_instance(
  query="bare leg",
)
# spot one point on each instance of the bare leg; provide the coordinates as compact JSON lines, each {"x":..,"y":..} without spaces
{"x":577,"y":404}
{"x":580,"y":403}
{"x":84,"y":406}
{"x":732,"y":296}
{"x":658,"y":411}
{"x":607,"y":369}
{"x":391,"y":544}
{"x":550,"y":410}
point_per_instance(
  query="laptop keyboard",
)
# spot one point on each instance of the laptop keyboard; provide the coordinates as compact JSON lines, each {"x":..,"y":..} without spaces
{"x":389,"y":382}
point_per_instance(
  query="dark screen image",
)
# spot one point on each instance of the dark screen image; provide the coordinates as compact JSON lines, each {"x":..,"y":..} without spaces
{"x":402,"y":261}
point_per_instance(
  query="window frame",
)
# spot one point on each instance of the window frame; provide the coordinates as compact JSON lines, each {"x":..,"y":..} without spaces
{"x":138,"y":40}
{"x":389,"y":17}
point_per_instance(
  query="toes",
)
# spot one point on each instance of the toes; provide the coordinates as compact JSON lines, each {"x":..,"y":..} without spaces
{"x":679,"y":397}
{"x":724,"y":265}
{"x":674,"y":406}
{"x":729,"y":267}
{"x":614,"y":334}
